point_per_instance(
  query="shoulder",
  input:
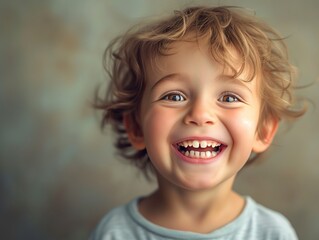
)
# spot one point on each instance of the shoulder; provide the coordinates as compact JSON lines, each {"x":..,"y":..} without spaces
{"x":270,"y":224}
{"x":114,"y":225}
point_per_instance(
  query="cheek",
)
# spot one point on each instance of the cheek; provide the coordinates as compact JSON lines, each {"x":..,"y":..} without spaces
{"x":157,"y":129}
{"x":248,"y":124}
{"x":156,"y":124}
{"x":243,"y":125}
{"x":242,"y":128}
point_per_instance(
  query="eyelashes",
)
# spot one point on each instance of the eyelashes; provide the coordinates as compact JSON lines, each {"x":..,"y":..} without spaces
{"x":174,"y":97}
{"x":229,"y":97}
{"x":225,"y":97}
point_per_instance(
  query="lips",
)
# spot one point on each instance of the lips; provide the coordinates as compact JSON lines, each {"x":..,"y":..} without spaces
{"x":200,"y":149}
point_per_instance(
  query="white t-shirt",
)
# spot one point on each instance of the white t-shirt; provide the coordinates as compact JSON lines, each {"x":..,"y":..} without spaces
{"x":254,"y":223}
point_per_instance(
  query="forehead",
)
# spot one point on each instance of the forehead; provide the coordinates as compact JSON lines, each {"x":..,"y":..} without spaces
{"x":180,"y":56}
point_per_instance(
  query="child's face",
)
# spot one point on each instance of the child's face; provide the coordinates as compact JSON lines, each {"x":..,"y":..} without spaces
{"x":198,"y":125}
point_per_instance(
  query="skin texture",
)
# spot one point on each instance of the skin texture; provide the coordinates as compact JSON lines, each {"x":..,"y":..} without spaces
{"x":191,"y":97}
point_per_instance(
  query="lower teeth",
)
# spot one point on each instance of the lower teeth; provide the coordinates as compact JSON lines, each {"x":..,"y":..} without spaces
{"x":197,"y":154}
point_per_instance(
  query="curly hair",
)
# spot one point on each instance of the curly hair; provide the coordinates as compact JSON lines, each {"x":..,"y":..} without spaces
{"x":259,"y":46}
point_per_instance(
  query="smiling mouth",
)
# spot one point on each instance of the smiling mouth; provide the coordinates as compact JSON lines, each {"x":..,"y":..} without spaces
{"x":200,"y":149}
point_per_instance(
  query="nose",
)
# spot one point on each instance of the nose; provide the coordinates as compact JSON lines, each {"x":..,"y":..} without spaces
{"x":200,"y":113}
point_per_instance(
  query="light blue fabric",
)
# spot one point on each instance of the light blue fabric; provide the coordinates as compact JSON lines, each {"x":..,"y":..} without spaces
{"x":254,"y":223}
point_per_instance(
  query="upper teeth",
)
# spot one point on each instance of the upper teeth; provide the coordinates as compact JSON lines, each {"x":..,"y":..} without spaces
{"x":201,"y":144}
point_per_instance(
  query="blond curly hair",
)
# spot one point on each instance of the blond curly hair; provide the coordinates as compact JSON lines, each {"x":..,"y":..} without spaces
{"x":260,"y":48}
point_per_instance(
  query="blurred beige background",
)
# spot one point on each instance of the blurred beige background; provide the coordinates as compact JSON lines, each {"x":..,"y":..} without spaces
{"x":58,"y":172}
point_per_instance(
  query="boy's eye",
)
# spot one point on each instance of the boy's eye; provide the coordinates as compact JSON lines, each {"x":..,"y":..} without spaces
{"x":175,"y":97}
{"x":228,"y":98}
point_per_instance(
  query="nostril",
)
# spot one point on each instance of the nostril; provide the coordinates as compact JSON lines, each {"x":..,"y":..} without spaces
{"x":200,"y":123}
{"x":209,"y":122}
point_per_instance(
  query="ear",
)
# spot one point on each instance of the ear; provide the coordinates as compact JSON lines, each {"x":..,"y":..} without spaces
{"x":268,"y":129}
{"x":134,"y":133}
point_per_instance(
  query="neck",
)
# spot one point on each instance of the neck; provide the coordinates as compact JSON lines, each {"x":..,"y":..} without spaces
{"x":192,"y":210}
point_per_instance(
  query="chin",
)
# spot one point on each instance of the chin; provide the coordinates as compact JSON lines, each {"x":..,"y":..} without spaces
{"x":198,"y":185}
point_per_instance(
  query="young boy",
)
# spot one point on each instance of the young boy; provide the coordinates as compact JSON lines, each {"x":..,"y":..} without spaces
{"x":194,"y":98}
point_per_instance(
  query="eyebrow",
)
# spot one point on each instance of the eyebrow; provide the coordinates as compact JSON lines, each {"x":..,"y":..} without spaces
{"x":165,"y":78}
{"x":235,"y":81}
